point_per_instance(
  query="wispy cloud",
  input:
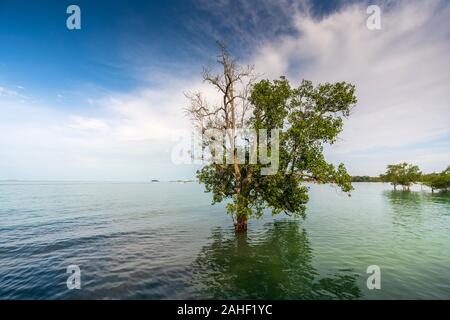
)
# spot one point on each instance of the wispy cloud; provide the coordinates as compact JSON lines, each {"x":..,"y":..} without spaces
{"x":8,"y":92}
{"x":402,"y":88}
{"x":120,"y":136}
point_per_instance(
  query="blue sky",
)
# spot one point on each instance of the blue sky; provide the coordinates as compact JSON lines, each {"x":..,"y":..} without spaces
{"x":102,"y":103}
{"x":117,"y":37}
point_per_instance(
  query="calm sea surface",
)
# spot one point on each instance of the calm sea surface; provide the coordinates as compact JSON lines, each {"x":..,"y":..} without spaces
{"x":165,"y":241}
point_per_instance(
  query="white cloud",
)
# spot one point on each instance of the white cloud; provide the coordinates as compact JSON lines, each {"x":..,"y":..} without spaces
{"x":120,"y":136}
{"x":401,"y":71}
{"x":13,"y":95}
{"x":8,"y":93}
{"x":90,"y":124}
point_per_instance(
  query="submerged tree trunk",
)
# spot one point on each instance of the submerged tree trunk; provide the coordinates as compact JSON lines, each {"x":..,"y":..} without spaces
{"x":241,"y":224}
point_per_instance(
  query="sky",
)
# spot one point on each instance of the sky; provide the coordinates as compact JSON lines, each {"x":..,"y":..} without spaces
{"x":104,"y":102}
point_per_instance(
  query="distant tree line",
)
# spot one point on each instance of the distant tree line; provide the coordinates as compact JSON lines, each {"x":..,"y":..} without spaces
{"x":437,"y":181}
{"x":405,"y":175}
{"x":366,"y":179}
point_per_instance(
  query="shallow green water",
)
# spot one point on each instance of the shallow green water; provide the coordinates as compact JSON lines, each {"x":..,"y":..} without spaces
{"x":164,"y":240}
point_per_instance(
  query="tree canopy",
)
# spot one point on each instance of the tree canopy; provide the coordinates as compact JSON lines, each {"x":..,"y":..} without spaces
{"x":438,"y":181}
{"x":403,"y":174}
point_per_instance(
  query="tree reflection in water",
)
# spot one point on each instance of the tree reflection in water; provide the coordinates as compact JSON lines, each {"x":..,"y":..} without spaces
{"x":412,"y":210}
{"x":273,"y":264}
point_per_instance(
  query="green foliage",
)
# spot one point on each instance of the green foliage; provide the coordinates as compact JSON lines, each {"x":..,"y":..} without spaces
{"x":403,"y":174}
{"x":438,"y":181}
{"x":309,"y":116}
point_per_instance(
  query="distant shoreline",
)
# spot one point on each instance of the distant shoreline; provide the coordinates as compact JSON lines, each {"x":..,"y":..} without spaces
{"x":96,"y":181}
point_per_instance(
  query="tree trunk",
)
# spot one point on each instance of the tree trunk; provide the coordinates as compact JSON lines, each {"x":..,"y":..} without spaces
{"x":237,"y":174}
{"x":241,"y":224}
